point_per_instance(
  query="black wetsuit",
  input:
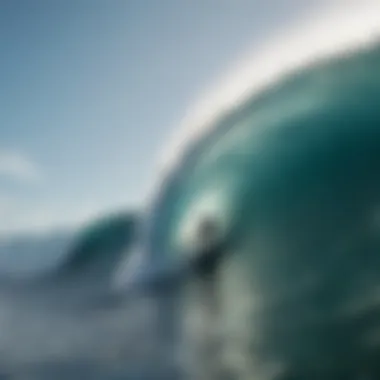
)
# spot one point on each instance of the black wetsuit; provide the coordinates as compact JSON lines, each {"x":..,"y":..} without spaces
{"x":207,"y":345}
{"x":206,"y":262}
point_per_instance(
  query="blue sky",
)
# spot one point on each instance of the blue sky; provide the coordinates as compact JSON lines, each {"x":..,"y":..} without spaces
{"x":91,"y":89}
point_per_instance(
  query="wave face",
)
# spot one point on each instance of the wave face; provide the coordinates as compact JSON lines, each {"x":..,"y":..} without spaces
{"x":101,"y":244}
{"x":291,"y":175}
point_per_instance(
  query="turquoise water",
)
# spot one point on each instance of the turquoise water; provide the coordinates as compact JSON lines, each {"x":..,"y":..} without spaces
{"x":292,"y":178}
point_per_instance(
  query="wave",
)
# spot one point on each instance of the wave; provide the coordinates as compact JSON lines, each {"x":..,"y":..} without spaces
{"x":101,"y":245}
{"x":69,"y":269}
{"x":290,"y":174}
{"x":275,"y":152}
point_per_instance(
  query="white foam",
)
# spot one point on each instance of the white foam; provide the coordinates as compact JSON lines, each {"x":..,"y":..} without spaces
{"x":344,"y":27}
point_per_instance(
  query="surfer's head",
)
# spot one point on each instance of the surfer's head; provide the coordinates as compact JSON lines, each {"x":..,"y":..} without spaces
{"x":207,"y":227}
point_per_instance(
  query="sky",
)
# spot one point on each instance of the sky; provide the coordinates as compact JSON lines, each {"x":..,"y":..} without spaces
{"x":92,"y":89}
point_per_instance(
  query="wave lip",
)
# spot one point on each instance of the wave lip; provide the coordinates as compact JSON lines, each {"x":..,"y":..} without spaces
{"x":337,"y":30}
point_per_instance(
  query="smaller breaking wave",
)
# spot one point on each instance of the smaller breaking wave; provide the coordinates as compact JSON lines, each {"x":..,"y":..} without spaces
{"x":101,"y":245}
{"x":71,"y":268}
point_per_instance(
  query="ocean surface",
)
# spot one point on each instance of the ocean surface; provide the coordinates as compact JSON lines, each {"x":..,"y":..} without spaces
{"x":65,"y":321}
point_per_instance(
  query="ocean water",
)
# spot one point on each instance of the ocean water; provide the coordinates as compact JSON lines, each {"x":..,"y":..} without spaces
{"x":290,"y":175}
{"x":67,"y":321}
{"x":42,"y":339}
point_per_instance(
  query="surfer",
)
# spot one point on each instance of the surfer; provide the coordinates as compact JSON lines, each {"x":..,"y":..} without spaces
{"x":203,"y":283}
{"x":211,"y":250}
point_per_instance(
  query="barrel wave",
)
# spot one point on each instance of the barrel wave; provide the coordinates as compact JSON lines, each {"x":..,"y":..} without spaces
{"x":291,"y":175}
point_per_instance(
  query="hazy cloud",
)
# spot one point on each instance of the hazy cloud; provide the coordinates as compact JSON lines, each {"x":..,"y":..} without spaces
{"x":18,"y":166}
